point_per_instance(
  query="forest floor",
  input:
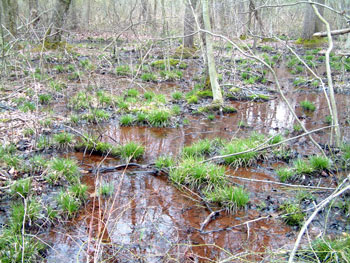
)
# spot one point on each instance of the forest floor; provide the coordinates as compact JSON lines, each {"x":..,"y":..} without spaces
{"x":109,"y":154}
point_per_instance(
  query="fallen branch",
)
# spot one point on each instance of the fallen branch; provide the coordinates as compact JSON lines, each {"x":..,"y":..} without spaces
{"x":282,"y":184}
{"x":209,"y":218}
{"x":115,"y":168}
{"x":235,"y":226}
{"x":333,"y":32}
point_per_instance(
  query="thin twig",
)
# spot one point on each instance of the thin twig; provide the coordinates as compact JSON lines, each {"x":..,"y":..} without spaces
{"x":320,"y":206}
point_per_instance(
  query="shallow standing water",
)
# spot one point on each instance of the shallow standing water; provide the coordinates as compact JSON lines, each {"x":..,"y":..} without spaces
{"x":149,"y":220}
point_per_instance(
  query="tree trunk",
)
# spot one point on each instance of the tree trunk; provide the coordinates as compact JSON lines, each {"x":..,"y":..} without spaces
{"x":10,"y":11}
{"x":319,"y":24}
{"x":312,"y":23}
{"x":189,"y":23}
{"x":57,"y":20}
{"x":217,"y":95}
{"x":87,"y":15}
{"x":74,"y":15}
{"x":163,"y":18}
{"x":33,"y":11}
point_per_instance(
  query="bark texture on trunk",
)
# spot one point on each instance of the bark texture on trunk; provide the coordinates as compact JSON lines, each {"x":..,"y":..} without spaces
{"x":57,"y":21}
{"x":10,"y":11}
{"x":312,"y":23}
{"x":217,"y":95}
{"x":189,"y":23}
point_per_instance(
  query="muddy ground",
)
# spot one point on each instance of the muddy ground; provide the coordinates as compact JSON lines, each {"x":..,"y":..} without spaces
{"x":147,"y":218}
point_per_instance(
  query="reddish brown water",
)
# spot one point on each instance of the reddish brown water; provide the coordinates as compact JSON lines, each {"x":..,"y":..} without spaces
{"x":148,"y":220}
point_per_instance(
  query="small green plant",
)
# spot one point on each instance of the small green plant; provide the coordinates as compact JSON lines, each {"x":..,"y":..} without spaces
{"x":197,"y":149}
{"x":230,"y":197}
{"x":27,"y":106}
{"x":21,"y":187}
{"x":171,"y":75}
{"x":328,"y":119}
{"x":276,"y":139}
{"x":43,"y":142}
{"x":123,"y":70}
{"x":79,"y":191}
{"x":132,"y":150}
{"x":59,"y":68}
{"x":96,"y":116}
{"x":56,"y":86}
{"x":164,"y":162}
{"x":61,"y":168}
{"x":293,"y":214}
{"x":68,"y":203}
{"x":307,"y":105}
{"x":303,"y":167}
{"x":45,"y":98}
{"x":132,"y":93}
{"x":63,"y":139}
{"x":177,"y":95}
{"x":297,"y":128}
{"x":159,"y":118}
{"x":285,"y":174}
{"x":141,"y":117}
{"x":194,"y":173}
{"x":266,"y":48}
{"x":176,"y":110}
{"x":241,"y":145}
{"x":149,"y":95}
{"x":332,"y":250}
{"x":211,"y":117}
{"x":148,"y":77}
{"x":319,"y":162}
{"x":192,"y":99}
{"x":126,"y":120}
{"x":106,"y":189}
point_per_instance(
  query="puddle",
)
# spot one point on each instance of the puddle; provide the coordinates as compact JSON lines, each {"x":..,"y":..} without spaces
{"x":152,"y":220}
{"x":147,"y":219}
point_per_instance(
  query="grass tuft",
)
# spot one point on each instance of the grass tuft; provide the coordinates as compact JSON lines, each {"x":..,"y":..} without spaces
{"x":230,"y":197}
{"x":132,"y":150}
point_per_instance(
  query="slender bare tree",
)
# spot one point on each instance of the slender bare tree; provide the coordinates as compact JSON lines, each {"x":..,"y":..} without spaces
{"x":217,"y":95}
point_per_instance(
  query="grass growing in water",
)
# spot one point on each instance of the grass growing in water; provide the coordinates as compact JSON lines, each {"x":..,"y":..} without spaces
{"x":159,"y":118}
{"x":63,"y":139}
{"x":240,"y":145}
{"x":132,"y":150}
{"x":106,"y":189}
{"x":61,"y":168}
{"x":196,"y":174}
{"x":68,"y":203}
{"x":197,"y":149}
{"x":307,"y":105}
{"x":231,"y":197}
{"x":164,"y":162}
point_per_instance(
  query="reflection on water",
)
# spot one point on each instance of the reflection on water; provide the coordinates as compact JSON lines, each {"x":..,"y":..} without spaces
{"x":149,"y":220}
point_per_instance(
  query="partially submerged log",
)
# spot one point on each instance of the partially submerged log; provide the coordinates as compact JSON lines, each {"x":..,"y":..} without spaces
{"x":333,"y":32}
